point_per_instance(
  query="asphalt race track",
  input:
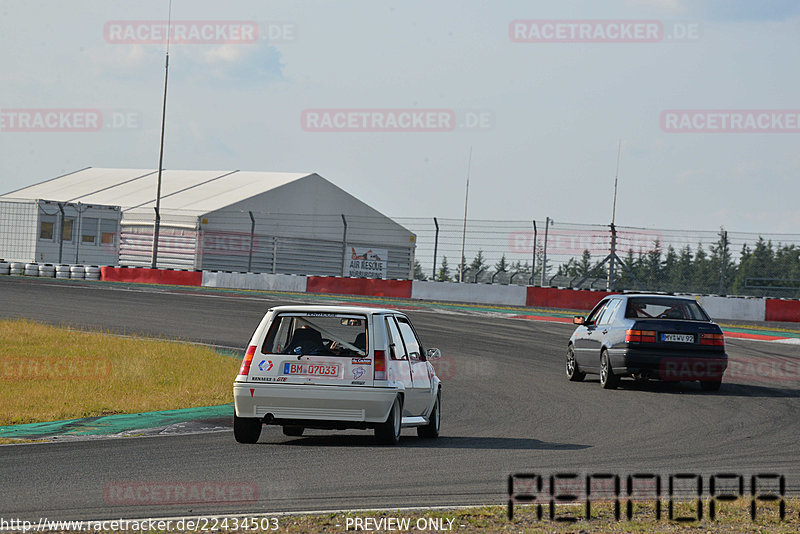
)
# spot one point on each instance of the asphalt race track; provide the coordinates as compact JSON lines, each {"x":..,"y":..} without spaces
{"x":507,"y":408}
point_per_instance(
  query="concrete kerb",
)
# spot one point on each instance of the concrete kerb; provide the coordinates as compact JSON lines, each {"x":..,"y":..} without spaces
{"x":255,"y":281}
{"x":504,"y":295}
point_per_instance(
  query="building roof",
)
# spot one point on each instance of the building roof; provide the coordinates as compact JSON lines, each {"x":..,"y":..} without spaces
{"x":131,"y":189}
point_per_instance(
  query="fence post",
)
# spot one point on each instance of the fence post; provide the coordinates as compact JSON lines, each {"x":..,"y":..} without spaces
{"x":61,"y":232}
{"x":252,"y":235}
{"x":344,"y":246}
{"x":533,"y":249}
{"x":78,"y":237}
{"x":544,"y":253}
{"x":723,"y":259}
{"x":612,"y":259}
{"x":274,"y":254}
{"x":435,"y":248}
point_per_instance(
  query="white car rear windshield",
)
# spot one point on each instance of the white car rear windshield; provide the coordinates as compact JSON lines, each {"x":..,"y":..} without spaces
{"x":320,"y":334}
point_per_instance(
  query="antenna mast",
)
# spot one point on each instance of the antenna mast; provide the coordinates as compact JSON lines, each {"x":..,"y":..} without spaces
{"x":157,"y":225}
{"x":463,"y":262}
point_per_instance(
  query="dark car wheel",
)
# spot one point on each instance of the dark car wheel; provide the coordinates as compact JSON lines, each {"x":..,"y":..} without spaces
{"x":294,"y":431}
{"x":710,"y":385}
{"x":572,"y":367}
{"x":431,"y":430}
{"x":607,"y":378}
{"x":246,"y":429}
{"x":388,"y":432}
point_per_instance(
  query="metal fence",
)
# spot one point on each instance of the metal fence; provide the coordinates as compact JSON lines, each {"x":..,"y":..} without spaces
{"x":562,"y":254}
{"x":535,"y":252}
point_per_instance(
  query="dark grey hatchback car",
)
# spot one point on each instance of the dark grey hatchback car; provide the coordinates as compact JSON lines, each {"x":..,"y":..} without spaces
{"x":661,"y":337}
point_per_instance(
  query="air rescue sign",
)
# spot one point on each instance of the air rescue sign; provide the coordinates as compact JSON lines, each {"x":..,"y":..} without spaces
{"x":367,"y":262}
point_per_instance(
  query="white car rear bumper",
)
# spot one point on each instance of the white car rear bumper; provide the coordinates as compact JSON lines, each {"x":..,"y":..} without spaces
{"x":313,"y":402}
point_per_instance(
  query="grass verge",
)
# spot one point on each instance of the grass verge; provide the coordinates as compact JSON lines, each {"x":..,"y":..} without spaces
{"x":50,"y":374}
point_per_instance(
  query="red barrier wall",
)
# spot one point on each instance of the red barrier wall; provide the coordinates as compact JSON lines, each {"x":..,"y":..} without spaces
{"x":572,"y":299}
{"x":359,"y":286}
{"x":151,"y":276}
{"x":782,"y":310}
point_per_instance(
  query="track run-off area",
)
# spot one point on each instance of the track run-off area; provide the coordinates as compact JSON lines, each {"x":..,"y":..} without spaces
{"x":507,"y":408}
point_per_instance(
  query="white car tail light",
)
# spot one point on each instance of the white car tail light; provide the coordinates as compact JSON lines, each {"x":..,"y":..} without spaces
{"x":380,"y":365}
{"x":248,"y":358}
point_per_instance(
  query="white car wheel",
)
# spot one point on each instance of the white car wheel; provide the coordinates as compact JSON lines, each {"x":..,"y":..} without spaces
{"x":388,"y":433}
{"x":431,"y":430}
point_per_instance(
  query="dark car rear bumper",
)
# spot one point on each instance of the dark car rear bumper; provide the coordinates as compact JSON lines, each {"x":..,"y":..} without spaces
{"x":669,"y":365}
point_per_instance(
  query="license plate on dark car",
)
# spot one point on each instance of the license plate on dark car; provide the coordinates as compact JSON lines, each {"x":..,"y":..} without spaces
{"x":678,"y":338}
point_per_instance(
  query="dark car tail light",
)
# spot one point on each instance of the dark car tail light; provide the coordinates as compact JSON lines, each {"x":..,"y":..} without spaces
{"x":248,"y":358}
{"x":380,"y":365}
{"x":717,"y":340}
{"x":640,"y":336}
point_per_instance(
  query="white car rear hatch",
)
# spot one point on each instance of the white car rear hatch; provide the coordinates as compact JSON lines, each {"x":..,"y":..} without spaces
{"x":322,"y":348}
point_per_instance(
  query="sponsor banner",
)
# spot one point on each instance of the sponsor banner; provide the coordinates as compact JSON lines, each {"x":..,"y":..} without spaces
{"x":367,"y":262}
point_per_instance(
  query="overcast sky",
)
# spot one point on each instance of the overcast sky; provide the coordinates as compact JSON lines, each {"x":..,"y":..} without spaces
{"x":542,"y":117}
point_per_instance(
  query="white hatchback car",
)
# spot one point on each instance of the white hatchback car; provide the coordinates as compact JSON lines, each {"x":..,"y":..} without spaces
{"x":336,"y":367}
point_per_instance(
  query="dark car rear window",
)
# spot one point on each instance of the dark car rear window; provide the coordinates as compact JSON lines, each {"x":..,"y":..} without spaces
{"x":664,"y":308}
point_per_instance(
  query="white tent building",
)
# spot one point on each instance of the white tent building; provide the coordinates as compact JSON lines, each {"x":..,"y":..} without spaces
{"x":237,"y":221}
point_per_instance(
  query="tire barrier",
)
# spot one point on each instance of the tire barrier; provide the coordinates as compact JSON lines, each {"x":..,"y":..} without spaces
{"x":77,"y":272}
{"x":5,"y":267}
{"x":47,"y":270}
{"x":62,"y":272}
{"x":31,"y":269}
{"x":92,"y":272}
{"x":16,"y":268}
